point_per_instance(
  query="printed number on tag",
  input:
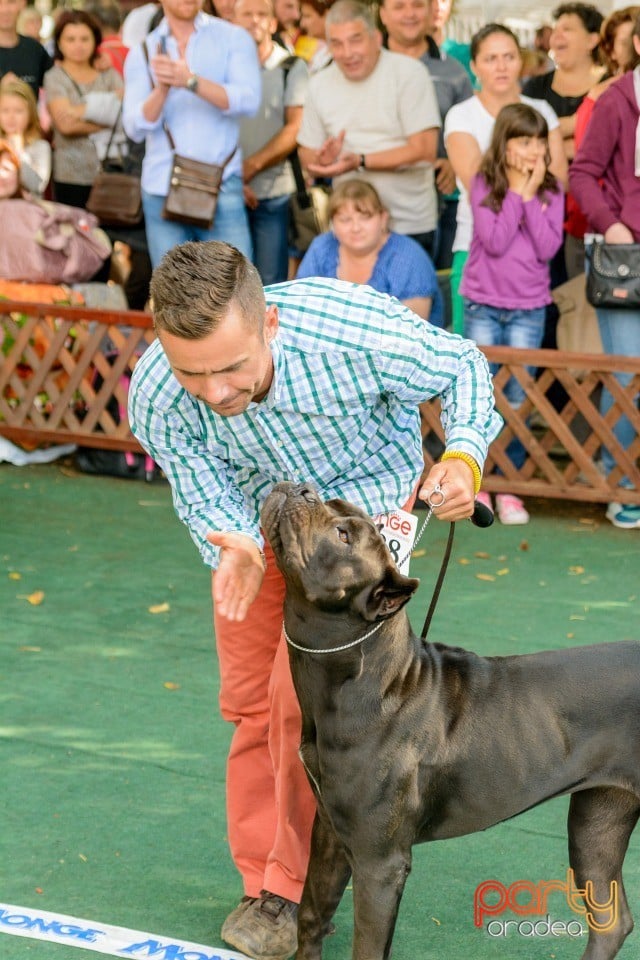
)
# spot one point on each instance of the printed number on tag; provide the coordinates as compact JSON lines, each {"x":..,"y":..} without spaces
{"x":399,"y":531}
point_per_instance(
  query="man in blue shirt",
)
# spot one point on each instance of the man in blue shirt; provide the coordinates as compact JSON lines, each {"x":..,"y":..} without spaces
{"x":318,"y":382}
{"x":202,"y":77}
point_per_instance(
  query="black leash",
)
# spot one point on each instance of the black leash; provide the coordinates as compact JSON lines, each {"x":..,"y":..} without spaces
{"x":482,"y":517}
{"x":439,"y":582}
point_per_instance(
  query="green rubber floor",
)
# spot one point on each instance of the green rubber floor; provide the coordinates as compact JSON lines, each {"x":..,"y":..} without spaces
{"x":113,"y":753}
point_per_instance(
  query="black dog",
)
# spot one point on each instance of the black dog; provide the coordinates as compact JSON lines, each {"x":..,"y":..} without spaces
{"x":395,"y":732}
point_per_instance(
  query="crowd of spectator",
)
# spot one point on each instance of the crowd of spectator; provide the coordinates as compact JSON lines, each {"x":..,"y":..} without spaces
{"x":382,"y":107}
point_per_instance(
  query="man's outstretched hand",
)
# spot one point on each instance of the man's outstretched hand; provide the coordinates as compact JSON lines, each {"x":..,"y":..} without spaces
{"x":239,"y":576}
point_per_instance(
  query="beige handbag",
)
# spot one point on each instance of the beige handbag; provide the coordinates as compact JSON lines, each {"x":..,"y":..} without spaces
{"x":578,"y":330}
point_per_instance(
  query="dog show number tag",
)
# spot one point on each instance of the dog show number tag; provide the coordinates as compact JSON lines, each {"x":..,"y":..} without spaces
{"x":398,"y":530}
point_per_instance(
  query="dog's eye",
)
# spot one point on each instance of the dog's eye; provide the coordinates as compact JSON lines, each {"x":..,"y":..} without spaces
{"x":342,"y":535}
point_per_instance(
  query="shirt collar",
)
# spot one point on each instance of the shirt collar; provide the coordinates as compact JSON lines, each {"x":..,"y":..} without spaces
{"x":274,"y":394}
{"x":200,"y":21}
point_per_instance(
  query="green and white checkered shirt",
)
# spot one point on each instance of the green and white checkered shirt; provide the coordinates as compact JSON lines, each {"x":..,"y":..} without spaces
{"x":350,"y":367}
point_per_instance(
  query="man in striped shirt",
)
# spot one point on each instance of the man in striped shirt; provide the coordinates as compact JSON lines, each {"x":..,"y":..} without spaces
{"x":320,"y":382}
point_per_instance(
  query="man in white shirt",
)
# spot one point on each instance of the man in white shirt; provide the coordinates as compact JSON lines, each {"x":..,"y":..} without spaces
{"x":267,"y":139}
{"x":373,"y":114}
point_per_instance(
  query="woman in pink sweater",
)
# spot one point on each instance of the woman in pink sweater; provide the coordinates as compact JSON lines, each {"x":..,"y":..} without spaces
{"x":605,"y":180}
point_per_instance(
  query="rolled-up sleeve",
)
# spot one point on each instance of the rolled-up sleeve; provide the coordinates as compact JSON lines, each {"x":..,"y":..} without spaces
{"x":426,"y":362}
{"x":244,"y":85}
{"x":137,"y":87}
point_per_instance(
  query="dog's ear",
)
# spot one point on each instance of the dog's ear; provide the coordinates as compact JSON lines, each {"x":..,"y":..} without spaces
{"x":389,"y":596}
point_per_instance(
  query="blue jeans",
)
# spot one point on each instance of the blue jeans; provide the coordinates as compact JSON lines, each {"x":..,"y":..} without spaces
{"x":229,"y":225}
{"x":493,"y":326}
{"x":269,"y":226}
{"x":620,"y":334}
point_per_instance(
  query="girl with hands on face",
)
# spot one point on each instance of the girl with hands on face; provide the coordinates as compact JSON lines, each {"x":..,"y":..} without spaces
{"x":517,"y":207}
{"x":526,"y":165}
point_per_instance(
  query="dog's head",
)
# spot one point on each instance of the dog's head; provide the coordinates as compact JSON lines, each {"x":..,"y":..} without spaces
{"x":332,"y":555}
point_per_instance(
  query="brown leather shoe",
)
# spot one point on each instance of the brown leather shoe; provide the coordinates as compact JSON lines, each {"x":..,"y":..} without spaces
{"x":266,"y":929}
{"x":229,"y":925}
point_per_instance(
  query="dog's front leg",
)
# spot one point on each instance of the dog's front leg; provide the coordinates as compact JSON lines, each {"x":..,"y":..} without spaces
{"x":377,"y":889}
{"x":328,"y":874}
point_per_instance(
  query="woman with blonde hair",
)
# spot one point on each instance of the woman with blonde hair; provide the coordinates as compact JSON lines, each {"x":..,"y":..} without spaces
{"x":360,"y":248}
{"x":21,"y":132}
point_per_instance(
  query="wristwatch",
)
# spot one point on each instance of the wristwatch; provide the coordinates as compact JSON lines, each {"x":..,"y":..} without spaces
{"x":192,"y":83}
{"x":361,"y":163}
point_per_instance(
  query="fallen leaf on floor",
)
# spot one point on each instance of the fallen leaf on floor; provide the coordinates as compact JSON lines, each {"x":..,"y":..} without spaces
{"x":574,"y":571}
{"x":502,"y":572}
{"x":39,"y":890}
{"x":15,"y":576}
{"x":482,"y":555}
{"x":570,"y":636}
{"x":160,"y":608}
{"x":35,"y":598}
{"x":169,"y":685}
{"x":83,"y":858}
{"x":589,"y":521}
{"x":419,"y":553}
{"x":576,"y":616}
{"x":464,"y":561}
{"x":435,"y":920}
{"x":523,"y":545}
{"x":484,"y":576}
{"x":30,"y":649}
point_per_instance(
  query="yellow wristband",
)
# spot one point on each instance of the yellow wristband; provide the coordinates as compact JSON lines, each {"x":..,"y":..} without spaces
{"x":468,"y":459}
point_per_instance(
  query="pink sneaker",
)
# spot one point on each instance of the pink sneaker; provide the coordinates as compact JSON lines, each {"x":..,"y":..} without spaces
{"x":511,"y":510}
{"x":485,"y":499}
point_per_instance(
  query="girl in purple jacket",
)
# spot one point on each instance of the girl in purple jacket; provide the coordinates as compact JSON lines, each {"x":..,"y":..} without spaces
{"x":517,"y":209}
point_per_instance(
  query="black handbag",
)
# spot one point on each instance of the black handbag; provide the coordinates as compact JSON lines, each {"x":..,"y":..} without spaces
{"x":614,"y":277}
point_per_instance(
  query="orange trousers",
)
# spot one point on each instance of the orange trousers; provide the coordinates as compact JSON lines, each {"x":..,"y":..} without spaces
{"x":270,"y":806}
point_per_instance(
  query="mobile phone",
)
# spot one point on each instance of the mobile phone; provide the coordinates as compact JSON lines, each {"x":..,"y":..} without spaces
{"x":162,"y":45}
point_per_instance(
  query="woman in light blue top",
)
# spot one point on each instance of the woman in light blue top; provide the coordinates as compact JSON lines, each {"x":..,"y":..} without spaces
{"x":360,"y":248}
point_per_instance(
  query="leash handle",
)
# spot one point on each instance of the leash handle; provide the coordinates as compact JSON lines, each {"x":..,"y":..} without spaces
{"x":482,"y":516}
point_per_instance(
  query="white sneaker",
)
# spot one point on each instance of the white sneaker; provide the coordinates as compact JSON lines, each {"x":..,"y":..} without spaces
{"x":511,"y":510}
{"x":625,"y":516}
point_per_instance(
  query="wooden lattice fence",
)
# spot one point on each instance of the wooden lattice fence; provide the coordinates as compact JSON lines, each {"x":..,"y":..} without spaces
{"x":65,"y":372}
{"x":560,"y":425}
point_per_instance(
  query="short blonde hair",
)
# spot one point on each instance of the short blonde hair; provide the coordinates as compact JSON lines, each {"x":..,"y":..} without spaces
{"x":360,"y":193}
